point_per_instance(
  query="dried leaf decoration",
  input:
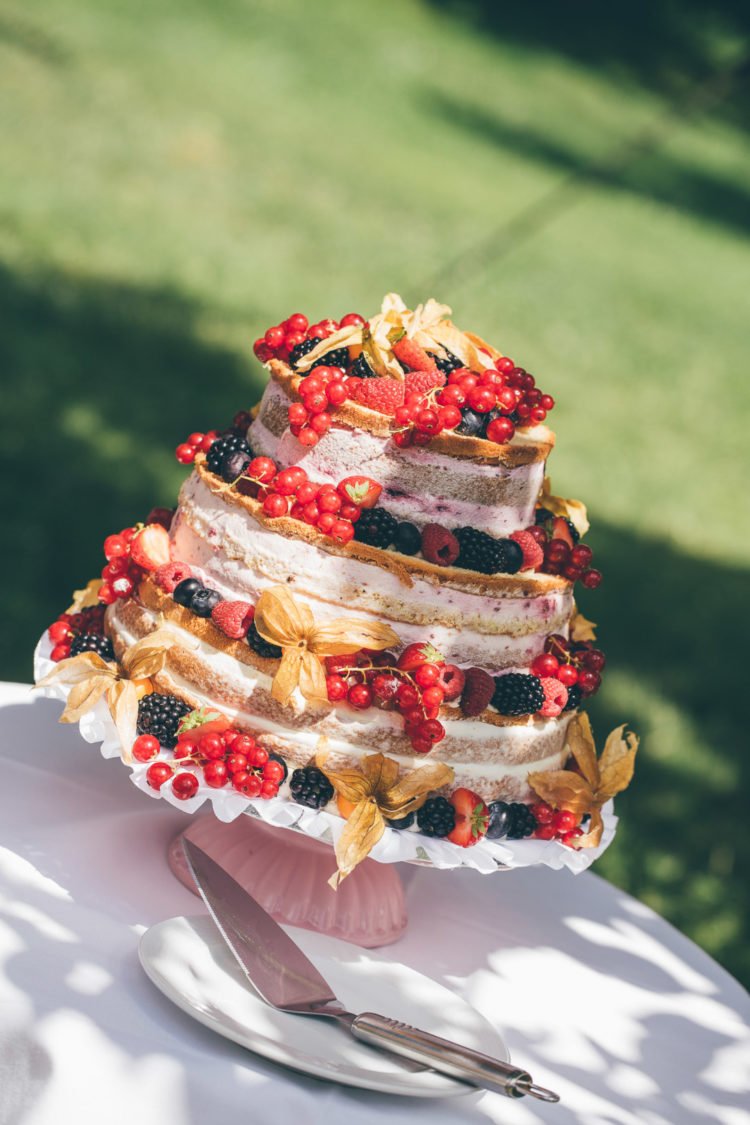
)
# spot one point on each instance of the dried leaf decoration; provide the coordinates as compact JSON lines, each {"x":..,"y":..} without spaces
{"x":573,"y":510}
{"x":599,"y":780}
{"x":581,"y":629}
{"x":86,"y":597}
{"x":288,"y":623}
{"x":377,"y":793}
{"x":91,"y":677}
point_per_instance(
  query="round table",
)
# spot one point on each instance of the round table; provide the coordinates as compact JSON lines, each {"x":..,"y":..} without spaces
{"x":599,"y":997}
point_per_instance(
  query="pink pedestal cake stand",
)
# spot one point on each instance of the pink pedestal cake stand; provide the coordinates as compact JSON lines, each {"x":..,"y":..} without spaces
{"x":287,"y":873}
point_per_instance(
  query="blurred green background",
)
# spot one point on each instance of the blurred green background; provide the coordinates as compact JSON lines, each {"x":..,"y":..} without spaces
{"x":178,"y":175}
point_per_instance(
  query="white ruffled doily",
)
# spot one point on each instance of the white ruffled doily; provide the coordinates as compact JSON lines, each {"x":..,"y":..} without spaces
{"x":394,"y":846}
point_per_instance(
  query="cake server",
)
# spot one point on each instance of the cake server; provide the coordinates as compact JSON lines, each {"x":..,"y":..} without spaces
{"x":284,"y":977}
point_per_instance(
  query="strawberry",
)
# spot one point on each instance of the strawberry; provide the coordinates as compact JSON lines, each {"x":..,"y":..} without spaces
{"x":420,"y":382}
{"x":561,"y":530}
{"x":412,"y":357}
{"x":555,"y":697}
{"x":451,"y":679}
{"x":439,"y":546}
{"x":472,"y":818}
{"x":422,"y":652}
{"x":233,"y":618}
{"x":381,"y":394}
{"x":533,"y":555}
{"x":149,"y":549}
{"x":362,"y":491}
{"x":209,"y":722}
{"x":478,"y":690}
{"x":168,"y":576}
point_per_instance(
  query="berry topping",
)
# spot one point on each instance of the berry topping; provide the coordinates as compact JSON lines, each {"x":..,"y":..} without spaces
{"x":311,"y":787}
{"x":376,"y":527}
{"x":555,"y":697}
{"x":260,"y":646}
{"x":437,"y":817}
{"x":381,"y":394}
{"x":408,"y":539}
{"x":421,"y":382}
{"x":362,"y":491}
{"x":451,"y":681}
{"x":204,"y":601}
{"x":145,"y":748}
{"x":233,"y":618}
{"x":222,"y":447}
{"x":439,"y":545}
{"x":169,"y":576}
{"x":419,"y":653}
{"x":361,"y":369}
{"x":92,"y":642}
{"x":412,"y":357}
{"x":160,"y":715}
{"x":299,"y":351}
{"x":533,"y":555}
{"x":512,"y":819}
{"x":184,"y":591}
{"x":482,"y":552}
{"x":478,"y":689}
{"x":149,"y":549}
{"x":471,"y":424}
{"x":518,"y":694}
{"x":402,"y":821}
{"x":184,"y":786}
{"x":472,"y":818}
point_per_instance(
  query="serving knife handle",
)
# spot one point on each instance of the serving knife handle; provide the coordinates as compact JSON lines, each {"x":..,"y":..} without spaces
{"x":446,"y":1057}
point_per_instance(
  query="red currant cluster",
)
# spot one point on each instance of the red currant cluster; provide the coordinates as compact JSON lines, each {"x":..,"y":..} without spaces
{"x":67,"y":626}
{"x":415,"y":684}
{"x":323,"y":389}
{"x":573,"y":663}
{"x":290,"y":492}
{"x":281,"y":339}
{"x":425,"y":414}
{"x":196,"y":443}
{"x":222,"y":755}
{"x":556,"y":824}
{"x":121,"y":574}
{"x":562,"y":555}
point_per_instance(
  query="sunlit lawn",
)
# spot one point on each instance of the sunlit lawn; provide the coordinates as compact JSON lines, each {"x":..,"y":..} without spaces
{"x":177,"y":176}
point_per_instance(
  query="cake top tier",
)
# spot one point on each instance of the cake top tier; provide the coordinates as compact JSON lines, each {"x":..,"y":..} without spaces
{"x":411,"y":374}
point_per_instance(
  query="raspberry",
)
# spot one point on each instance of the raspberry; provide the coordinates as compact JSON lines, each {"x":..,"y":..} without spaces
{"x":233,"y":618}
{"x":420,"y":382}
{"x":555,"y":697}
{"x":533,"y":555}
{"x":439,"y":546}
{"x":479,"y":687}
{"x":168,"y":576}
{"x":381,"y":394}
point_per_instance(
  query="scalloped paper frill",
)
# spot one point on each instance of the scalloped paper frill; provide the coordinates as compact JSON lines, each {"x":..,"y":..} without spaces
{"x":394,"y":846}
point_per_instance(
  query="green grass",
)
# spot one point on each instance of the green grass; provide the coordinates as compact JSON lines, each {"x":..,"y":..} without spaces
{"x":177,"y":176}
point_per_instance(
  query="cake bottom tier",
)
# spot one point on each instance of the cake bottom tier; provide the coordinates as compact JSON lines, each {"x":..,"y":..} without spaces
{"x":493,"y":758}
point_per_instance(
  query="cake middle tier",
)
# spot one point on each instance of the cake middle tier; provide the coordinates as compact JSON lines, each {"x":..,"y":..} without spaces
{"x":495,"y":622}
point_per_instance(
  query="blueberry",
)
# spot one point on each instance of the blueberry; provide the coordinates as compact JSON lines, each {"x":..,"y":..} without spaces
{"x":408,"y":539}
{"x":471,"y":424}
{"x":512,"y":556}
{"x":184,"y":591}
{"x":500,"y":818}
{"x":203,"y":601}
{"x":402,"y":822}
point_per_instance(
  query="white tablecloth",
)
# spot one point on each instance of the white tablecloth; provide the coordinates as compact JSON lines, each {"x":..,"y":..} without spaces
{"x":595,"y":994}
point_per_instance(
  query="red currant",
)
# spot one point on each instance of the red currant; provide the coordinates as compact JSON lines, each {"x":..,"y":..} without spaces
{"x":426,"y":675}
{"x":268,"y":789}
{"x":545,"y":665}
{"x":184,"y":786}
{"x":589,"y":682}
{"x":594,"y":660}
{"x":258,"y":757}
{"x":273,"y":771}
{"x":185,"y":453}
{"x":546,"y":402}
{"x":581,"y":555}
{"x":543,"y":812}
{"x":274,"y":337}
{"x":564,"y":820}
{"x":360,"y":696}
{"x":504,"y":364}
{"x":157,"y":774}
{"x":591,"y":579}
{"x":500,"y":430}
{"x":321,"y":423}
{"x":432,"y":697}
{"x":216,"y":774}
{"x":545,"y":832}
{"x":452,"y":395}
{"x":58,"y":631}
{"x":114,"y":547}
{"x":481,"y":399}
{"x":212,"y":746}
{"x":236,"y":762}
{"x":431,"y":731}
{"x":407,"y":696}
{"x":60,"y":652}
{"x":298,"y":413}
{"x":297,"y":322}
{"x":449,"y":417}
{"x":307,"y":437}
{"x":288,"y":480}
{"x":145,"y":748}
{"x":352,"y":319}
{"x":342,"y":531}
{"x":275,"y":505}
{"x":247,"y":784}
{"x":385,"y":686}
{"x":567,"y":674}
{"x":336,"y":392}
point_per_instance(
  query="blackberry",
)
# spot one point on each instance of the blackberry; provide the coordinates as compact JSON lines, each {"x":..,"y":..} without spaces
{"x":92,"y":642}
{"x":234,"y":465}
{"x":339,"y":357}
{"x":522,"y":821}
{"x":446,"y":363}
{"x":361,"y":368}
{"x":311,"y":787}
{"x":408,"y":539}
{"x":471,"y":424}
{"x":260,"y":646}
{"x":203,"y":601}
{"x":160,"y":716}
{"x":222,"y":447}
{"x":376,"y":527}
{"x":574,"y":698}
{"x":479,"y":551}
{"x":301,"y":350}
{"x":437,"y":817}
{"x":402,"y":821}
{"x":518,"y":694}
{"x":185,"y":591}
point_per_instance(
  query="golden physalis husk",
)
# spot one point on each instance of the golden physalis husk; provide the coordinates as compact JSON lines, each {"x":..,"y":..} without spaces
{"x":599,"y":780}
{"x":91,"y":677}
{"x":581,"y":629}
{"x":86,"y":597}
{"x":288,"y":623}
{"x":573,"y":510}
{"x":377,"y":793}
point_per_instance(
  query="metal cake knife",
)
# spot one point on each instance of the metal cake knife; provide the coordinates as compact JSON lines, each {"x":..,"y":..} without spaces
{"x":284,"y":977}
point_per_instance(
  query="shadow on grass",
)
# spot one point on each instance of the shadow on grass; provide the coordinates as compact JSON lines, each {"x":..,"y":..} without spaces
{"x":105,"y":379}
{"x":652,"y":174}
{"x":100,"y":382}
